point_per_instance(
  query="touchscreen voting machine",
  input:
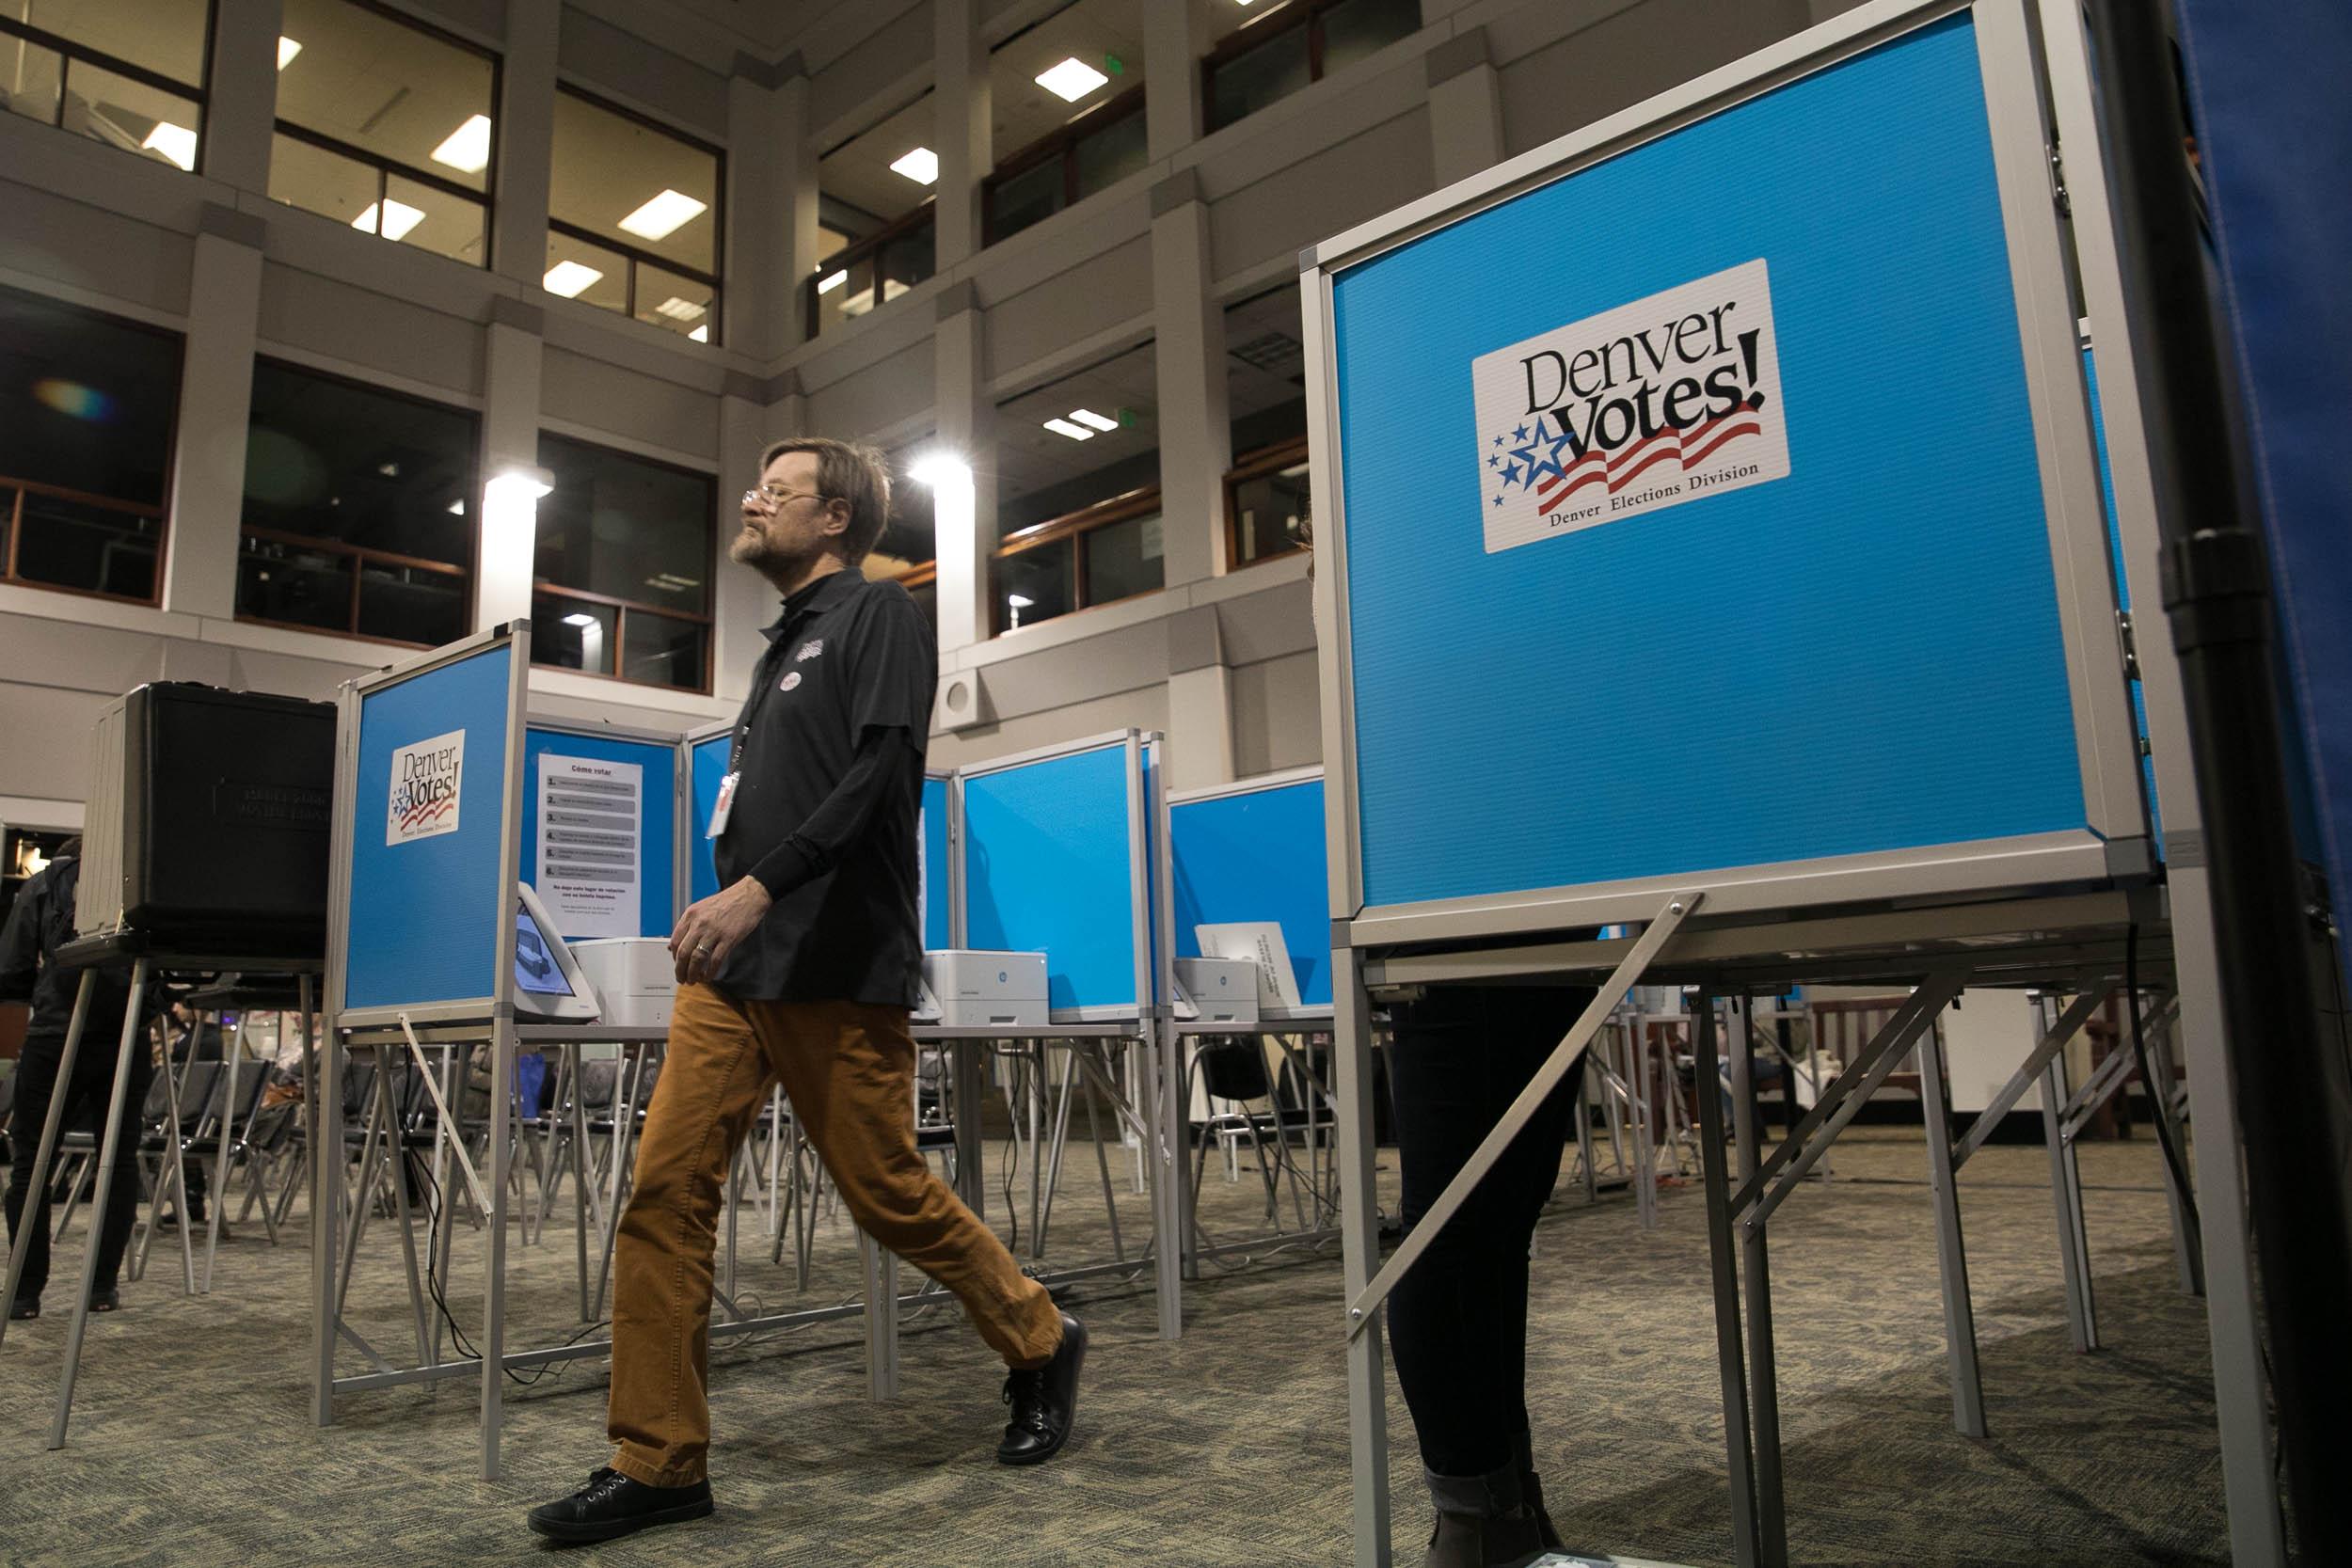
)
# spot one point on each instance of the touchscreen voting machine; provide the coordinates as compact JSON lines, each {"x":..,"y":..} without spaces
{"x":548,"y":986}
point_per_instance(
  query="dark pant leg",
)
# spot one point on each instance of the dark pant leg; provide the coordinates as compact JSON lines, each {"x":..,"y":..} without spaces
{"x":1458,"y":1320}
{"x":36,"y":1081}
{"x":122,"y":1201}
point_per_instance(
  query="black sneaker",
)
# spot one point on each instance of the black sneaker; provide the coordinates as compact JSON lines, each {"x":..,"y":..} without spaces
{"x":107,"y":1298}
{"x":1044,"y":1400}
{"x":612,"y":1505}
{"x":24,"y":1308}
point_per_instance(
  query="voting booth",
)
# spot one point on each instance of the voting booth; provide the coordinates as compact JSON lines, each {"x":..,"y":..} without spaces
{"x":1716,"y":588}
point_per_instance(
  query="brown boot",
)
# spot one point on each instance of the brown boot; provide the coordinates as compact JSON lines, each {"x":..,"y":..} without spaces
{"x":1482,"y":1521}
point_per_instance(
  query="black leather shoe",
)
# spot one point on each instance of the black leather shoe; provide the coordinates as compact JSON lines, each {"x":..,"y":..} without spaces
{"x":107,"y":1298}
{"x":1044,"y":1400}
{"x":611,"y":1505}
{"x":24,"y":1308}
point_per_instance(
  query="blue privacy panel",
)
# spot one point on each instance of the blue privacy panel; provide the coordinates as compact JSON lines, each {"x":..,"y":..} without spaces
{"x":424,"y":914}
{"x":936,"y":927}
{"x":1258,"y":856}
{"x":656,"y":825}
{"x":1862,"y":656}
{"x":1046,"y":869}
{"x":710,"y":767}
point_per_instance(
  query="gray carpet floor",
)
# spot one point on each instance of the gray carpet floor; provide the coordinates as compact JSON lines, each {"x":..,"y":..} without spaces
{"x":193,"y":1444}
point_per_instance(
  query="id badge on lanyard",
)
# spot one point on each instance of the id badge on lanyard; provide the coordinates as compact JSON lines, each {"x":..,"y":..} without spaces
{"x":720,"y":813}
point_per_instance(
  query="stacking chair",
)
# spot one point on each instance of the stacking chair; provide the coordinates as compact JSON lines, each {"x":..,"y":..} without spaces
{"x":1234,"y":1071}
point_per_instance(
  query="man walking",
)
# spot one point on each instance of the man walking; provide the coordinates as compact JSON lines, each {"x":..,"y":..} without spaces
{"x":802,"y":970}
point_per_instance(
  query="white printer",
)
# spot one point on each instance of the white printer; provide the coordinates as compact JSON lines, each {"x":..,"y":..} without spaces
{"x":976,"y":990}
{"x":1220,"y":991}
{"x":635,"y":978}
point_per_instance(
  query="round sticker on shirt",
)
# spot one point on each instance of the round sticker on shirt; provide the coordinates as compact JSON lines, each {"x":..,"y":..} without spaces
{"x":789,"y":681}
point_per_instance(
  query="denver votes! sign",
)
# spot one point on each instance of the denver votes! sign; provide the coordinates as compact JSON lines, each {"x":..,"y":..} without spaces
{"x":1637,"y":409}
{"x":424,"y":796}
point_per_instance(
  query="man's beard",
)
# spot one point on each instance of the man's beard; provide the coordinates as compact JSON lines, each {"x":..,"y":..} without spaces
{"x":753,"y":547}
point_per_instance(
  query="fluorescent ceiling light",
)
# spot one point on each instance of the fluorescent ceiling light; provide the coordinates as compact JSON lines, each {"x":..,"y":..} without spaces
{"x":1018,"y":601}
{"x":579,"y":620}
{"x":681,"y":310}
{"x":1089,"y":417}
{"x":176,"y":142}
{"x":1072,"y":80}
{"x":519,"y":484}
{"x":399,"y":217}
{"x":457,"y":509}
{"x":1075,"y":432}
{"x":660,"y":217}
{"x":569,"y":277}
{"x":701,"y":333}
{"x":920,"y":165}
{"x":830,"y":284}
{"x":468,"y":148}
{"x":287,"y":50}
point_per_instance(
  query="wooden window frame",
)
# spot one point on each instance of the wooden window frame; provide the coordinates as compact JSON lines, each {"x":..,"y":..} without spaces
{"x":1265,"y":461}
{"x":706,"y":617}
{"x":68,"y":52}
{"x":1076,"y":526}
{"x":1253,"y":35}
{"x":1059,"y":144}
{"x":485,"y":199}
{"x":621,"y":609}
{"x":637,"y":256}
{"x":361,"y":554}
{"x":160,"y":510}
{"x":850,"y":255}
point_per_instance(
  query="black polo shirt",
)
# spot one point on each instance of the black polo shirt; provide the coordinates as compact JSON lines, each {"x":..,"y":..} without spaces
{"x":829,"y":754}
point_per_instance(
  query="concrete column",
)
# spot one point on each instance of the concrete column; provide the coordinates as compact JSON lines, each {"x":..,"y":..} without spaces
{"x":512,"y":354}
{"x":1173,"y":43}
{"x":966,"y":424}
{"x":526,"y":137}
{"x":770,"y":249}
{"x":1196,"y":435}
{"x":215,"y":405}
{"x":1199,"y":702}
{"x":964,"y":127}
{"x":241,"y":97}
{"x":1465,"y":108}
{"x":741,"y":601}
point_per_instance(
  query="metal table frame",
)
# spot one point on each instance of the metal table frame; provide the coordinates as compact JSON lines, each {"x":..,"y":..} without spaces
{"x":149,"y":963}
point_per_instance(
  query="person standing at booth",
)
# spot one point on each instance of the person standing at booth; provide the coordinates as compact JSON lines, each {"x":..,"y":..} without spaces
{"x":802,"y":970}
{"x":1458,"y":1056}
{"x":40,"y":922}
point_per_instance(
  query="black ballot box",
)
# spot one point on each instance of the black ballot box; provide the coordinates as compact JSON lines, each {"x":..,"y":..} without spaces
{"x":209,"y":818}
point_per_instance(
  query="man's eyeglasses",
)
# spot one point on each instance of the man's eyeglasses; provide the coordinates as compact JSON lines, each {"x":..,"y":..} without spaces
{"x":769,"y":497}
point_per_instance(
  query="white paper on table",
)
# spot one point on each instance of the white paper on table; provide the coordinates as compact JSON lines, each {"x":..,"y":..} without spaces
{"x":1257,"y":941}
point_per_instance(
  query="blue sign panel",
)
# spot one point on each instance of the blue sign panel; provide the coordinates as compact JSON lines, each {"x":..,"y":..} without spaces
{"x":428,"y":809}
{"x":1047,"y":868}
{"x":1694,"y":513}
{"x":1253,"y":857}
{"x":657,"y":814}
{"x":708,"y":769}
{"x":936,"y":928}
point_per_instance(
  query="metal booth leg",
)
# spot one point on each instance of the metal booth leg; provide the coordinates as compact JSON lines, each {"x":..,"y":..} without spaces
{"x":1747,"y":1547}
{"x":1756,"y":1277}
{"x":494,"y":1281}
{"x":881,"y":1318}
{"x":132,"y":1030}
{"x":1360,"y":1246}
{"x":2171,"y":1109}
{"x":22,"y":1244}
{"x":324,"y":1061}
{"x":1171,"y":1197}
{"x":1960,"y":1317}
{"x":2066,"y":1193}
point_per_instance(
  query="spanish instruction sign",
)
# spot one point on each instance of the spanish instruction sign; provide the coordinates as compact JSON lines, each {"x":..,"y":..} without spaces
{"x":591,"y":856}
{"x":1634,"y":410}
{"x":424,"y":796}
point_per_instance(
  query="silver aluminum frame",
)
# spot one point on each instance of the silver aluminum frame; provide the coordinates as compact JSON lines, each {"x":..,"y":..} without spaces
{"x":688,"y":829}
{"x":2257,"y":1535}
{"x":2106,"y":752}
{"x":952,"y":873}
